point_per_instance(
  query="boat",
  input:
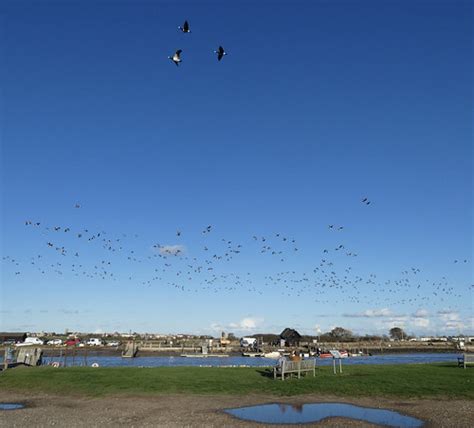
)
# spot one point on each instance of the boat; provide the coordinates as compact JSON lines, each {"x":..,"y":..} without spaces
{"x":343,"y":354}
{"x":204,"y":355}
{"x":274,"y":355}
{"x":253,"y":354}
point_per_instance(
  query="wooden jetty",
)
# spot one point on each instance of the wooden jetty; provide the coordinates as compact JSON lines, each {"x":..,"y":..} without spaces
{"x":29,"y":355}
{"x":130,"y":350}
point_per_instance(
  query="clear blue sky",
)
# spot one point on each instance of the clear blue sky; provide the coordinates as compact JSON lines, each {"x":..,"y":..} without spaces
{"x":317,"y":105}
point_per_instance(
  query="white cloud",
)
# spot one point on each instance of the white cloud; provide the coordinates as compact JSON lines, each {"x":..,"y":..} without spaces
{"x":454,"y":325}
{"x":371,"y":313}
{"x":246,"y":324}
{"x":171,"y":250}
{"x":449,"y":316}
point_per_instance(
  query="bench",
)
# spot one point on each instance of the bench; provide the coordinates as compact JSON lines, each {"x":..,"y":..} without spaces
{"x":298,"y":367}
{"x":465,"y":360}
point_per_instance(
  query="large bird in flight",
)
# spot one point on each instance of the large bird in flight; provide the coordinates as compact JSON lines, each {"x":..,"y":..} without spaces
{"x":176,"y":58}
{"x":220,"y":53}
{"x":185,"y":27}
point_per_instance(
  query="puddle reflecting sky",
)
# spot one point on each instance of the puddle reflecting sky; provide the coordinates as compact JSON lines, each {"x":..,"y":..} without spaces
{"x":304,"y":413}
{"x":11,"y":406}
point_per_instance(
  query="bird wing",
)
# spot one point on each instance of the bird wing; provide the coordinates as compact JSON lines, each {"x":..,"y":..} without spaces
{"x":178,"y":52}
{"x":186,"y":26}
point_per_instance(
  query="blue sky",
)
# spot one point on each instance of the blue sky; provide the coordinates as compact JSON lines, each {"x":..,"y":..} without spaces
{"x":316,"y":106}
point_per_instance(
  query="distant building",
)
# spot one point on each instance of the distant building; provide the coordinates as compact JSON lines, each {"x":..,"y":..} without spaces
{"x":12,"y":337}
{"x":291,"y":337}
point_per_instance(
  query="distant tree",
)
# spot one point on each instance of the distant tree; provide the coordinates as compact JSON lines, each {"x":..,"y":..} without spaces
{"x":340,"y":333}
{"x":370,"y":338}
{"x":397,"y":333}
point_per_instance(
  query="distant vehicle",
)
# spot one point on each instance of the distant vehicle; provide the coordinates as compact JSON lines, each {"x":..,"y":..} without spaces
{"x":114,"y":343}
{"x":29,"y":341}
{"x":72,"y":342}
{"x":55,"y":342}
{"x":94,"y":342}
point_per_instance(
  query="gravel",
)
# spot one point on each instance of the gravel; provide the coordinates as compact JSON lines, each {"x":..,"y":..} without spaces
{"x":204,"y":410}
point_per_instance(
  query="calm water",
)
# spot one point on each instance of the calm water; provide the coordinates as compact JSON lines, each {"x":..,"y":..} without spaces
{"x":11,"y":406}
{"x":304,"y":413}
{"x":104,"y":361}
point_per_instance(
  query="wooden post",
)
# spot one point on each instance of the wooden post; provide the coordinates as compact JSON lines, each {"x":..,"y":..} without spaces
{"x":340,"y":365}
{"x":5,"y":358}
{"x":334,"y":365}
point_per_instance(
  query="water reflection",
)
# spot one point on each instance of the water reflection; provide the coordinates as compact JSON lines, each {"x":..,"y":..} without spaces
{"x":11,"y":406}
{"x":304,"y":413}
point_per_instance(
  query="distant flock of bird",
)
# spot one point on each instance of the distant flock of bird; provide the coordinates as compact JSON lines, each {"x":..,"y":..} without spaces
{"x":176,"y":57}
{"x":210,"y":268}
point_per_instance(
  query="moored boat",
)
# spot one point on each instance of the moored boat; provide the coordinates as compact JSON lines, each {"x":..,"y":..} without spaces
{"x":343,"y":354}
{"x":274,"y":354}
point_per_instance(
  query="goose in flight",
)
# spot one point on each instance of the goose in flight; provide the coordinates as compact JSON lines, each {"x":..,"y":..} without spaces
{"x":176,"y":58}
{"x":220,"y":53}
{"x":185,"y":27}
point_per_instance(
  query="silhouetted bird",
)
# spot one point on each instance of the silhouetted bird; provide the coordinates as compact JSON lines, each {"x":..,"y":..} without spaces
{"x":185,"y":27}
{"x":220,"y":53}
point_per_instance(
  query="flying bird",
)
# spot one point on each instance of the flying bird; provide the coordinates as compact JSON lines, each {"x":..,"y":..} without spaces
{"x":176,"y":58}
{"x":185,"y":27}
{"x":220,"y":53}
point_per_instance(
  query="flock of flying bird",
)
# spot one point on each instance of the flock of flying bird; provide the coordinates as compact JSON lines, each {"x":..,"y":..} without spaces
{"x":221,"y":264}
{"x":176,"y":57}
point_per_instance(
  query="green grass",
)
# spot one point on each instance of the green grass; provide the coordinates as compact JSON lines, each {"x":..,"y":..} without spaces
{"x":416,"y":380}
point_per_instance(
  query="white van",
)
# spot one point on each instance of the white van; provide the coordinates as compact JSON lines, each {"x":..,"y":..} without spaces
{"x":31,"y":341}
{"x":94,"y":342}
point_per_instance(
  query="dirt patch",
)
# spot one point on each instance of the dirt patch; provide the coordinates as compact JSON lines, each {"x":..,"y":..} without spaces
{"x":198,"y":411}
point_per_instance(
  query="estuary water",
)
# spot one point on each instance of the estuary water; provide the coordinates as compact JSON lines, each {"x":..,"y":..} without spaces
{"x":108,"y":361}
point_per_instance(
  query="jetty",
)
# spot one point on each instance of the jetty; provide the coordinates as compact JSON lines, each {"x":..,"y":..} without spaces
{"x":130,"y":350}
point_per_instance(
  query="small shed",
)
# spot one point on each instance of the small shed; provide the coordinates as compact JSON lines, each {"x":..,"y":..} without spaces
{"x":291,"y":337}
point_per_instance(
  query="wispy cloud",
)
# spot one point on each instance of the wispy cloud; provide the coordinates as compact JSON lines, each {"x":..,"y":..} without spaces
{"x":171,"y":250}
{"x":372,"y":313}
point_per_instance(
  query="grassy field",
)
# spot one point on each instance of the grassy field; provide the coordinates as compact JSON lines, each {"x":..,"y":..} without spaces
{"x":417,"y":380}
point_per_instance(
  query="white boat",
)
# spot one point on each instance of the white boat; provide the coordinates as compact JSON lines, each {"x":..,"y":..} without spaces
{"x":274,"y":354}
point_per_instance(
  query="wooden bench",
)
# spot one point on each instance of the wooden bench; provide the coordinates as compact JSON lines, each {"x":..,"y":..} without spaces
{"x":465,"y":360}
{"x":298,"y":367}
